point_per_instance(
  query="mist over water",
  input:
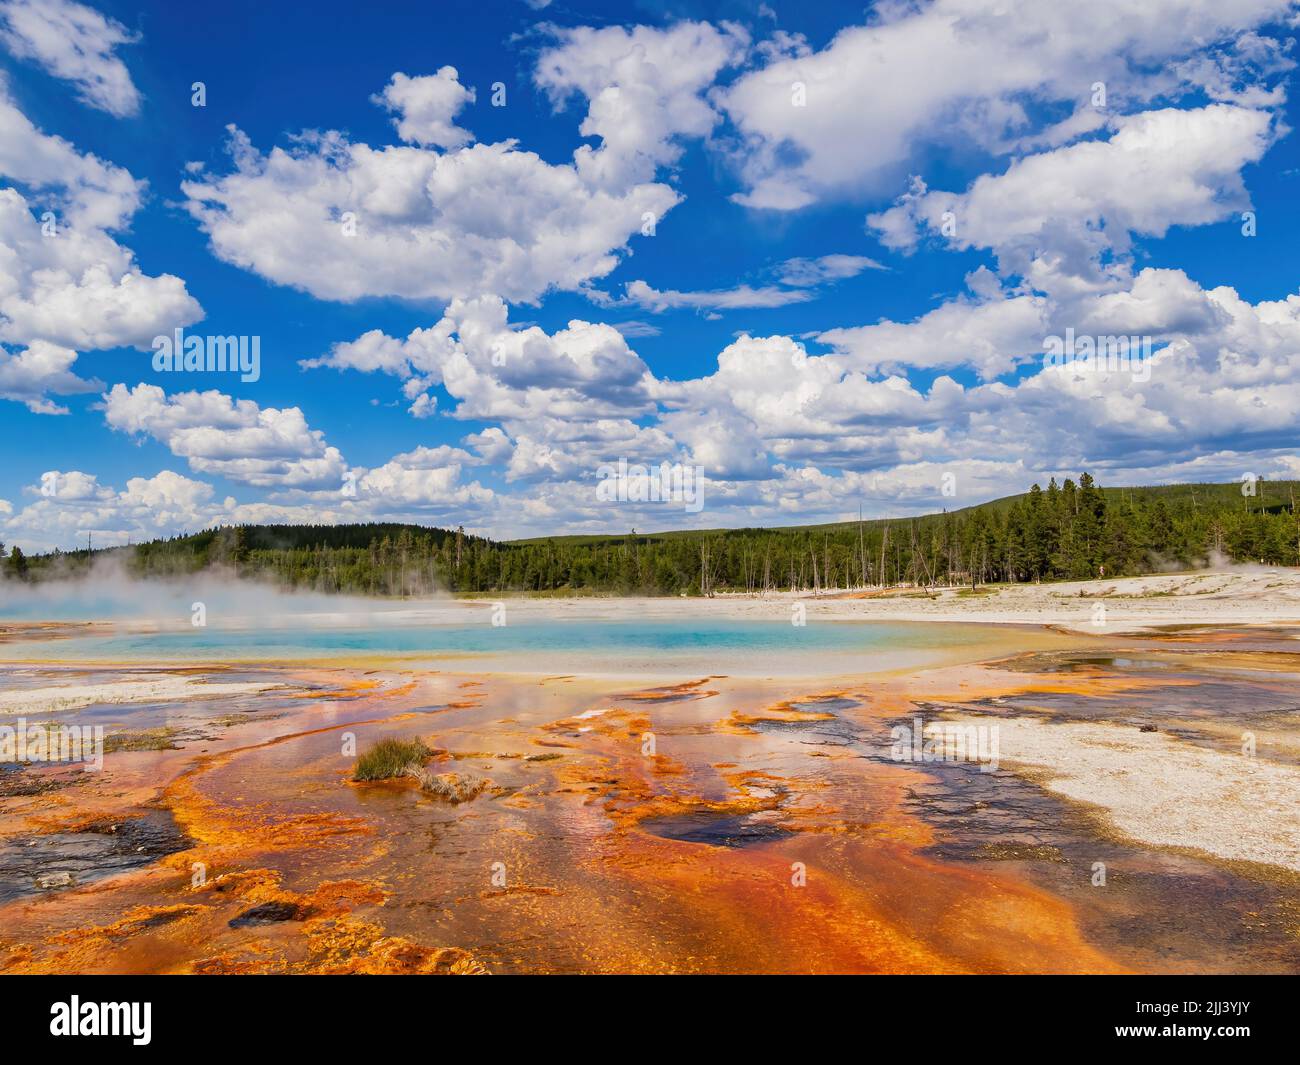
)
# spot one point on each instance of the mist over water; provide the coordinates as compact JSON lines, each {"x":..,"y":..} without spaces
{"x":112,"y":594}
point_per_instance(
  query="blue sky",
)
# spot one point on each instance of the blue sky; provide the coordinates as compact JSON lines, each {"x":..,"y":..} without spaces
{"x":865,"y":226}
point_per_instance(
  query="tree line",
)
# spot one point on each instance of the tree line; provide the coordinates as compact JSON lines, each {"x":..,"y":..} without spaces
{"x":1074,"y":530}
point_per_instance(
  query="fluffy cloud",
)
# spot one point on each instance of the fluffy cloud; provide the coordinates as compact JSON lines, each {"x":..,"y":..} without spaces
{"x":494,"y":371}
{"x":559,"y":449}
{"x":425,"y":107}
{"x":75,"y":43}
{"x":1219,"y":378}
{"x":957,"y":71}
{"x":992,"y":335}
{"x":1159,"y":169}
{"x":79,"y":288}
{"x":39,"y":369}
{"x":418,"y":360}
{"x":342,"y":220}
{"x":427,"y":479}
{"x":439,"y":218}
{"x":68,"y":505}
{"x":88,"y":191}
{"x":65,"y":282}
{"x":261,"y":446}
{"x":644,"y":89}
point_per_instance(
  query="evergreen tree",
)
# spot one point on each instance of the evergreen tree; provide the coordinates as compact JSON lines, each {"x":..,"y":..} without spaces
{"x":17,"y":565}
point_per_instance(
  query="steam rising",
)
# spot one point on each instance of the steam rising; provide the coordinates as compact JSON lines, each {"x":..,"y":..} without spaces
{"x":111,"y":593}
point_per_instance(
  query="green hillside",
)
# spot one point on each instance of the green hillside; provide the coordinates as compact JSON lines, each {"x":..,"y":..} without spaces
{"x":1271,"y":496}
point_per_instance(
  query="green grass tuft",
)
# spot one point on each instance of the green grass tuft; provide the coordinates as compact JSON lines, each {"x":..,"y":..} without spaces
{"x":390,"y":758}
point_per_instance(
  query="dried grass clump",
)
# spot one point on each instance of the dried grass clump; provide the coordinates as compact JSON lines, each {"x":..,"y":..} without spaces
{"x":450,"y":787}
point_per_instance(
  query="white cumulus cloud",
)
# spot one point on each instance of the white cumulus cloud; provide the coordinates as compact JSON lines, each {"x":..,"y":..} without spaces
{"x":76,"y":43}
